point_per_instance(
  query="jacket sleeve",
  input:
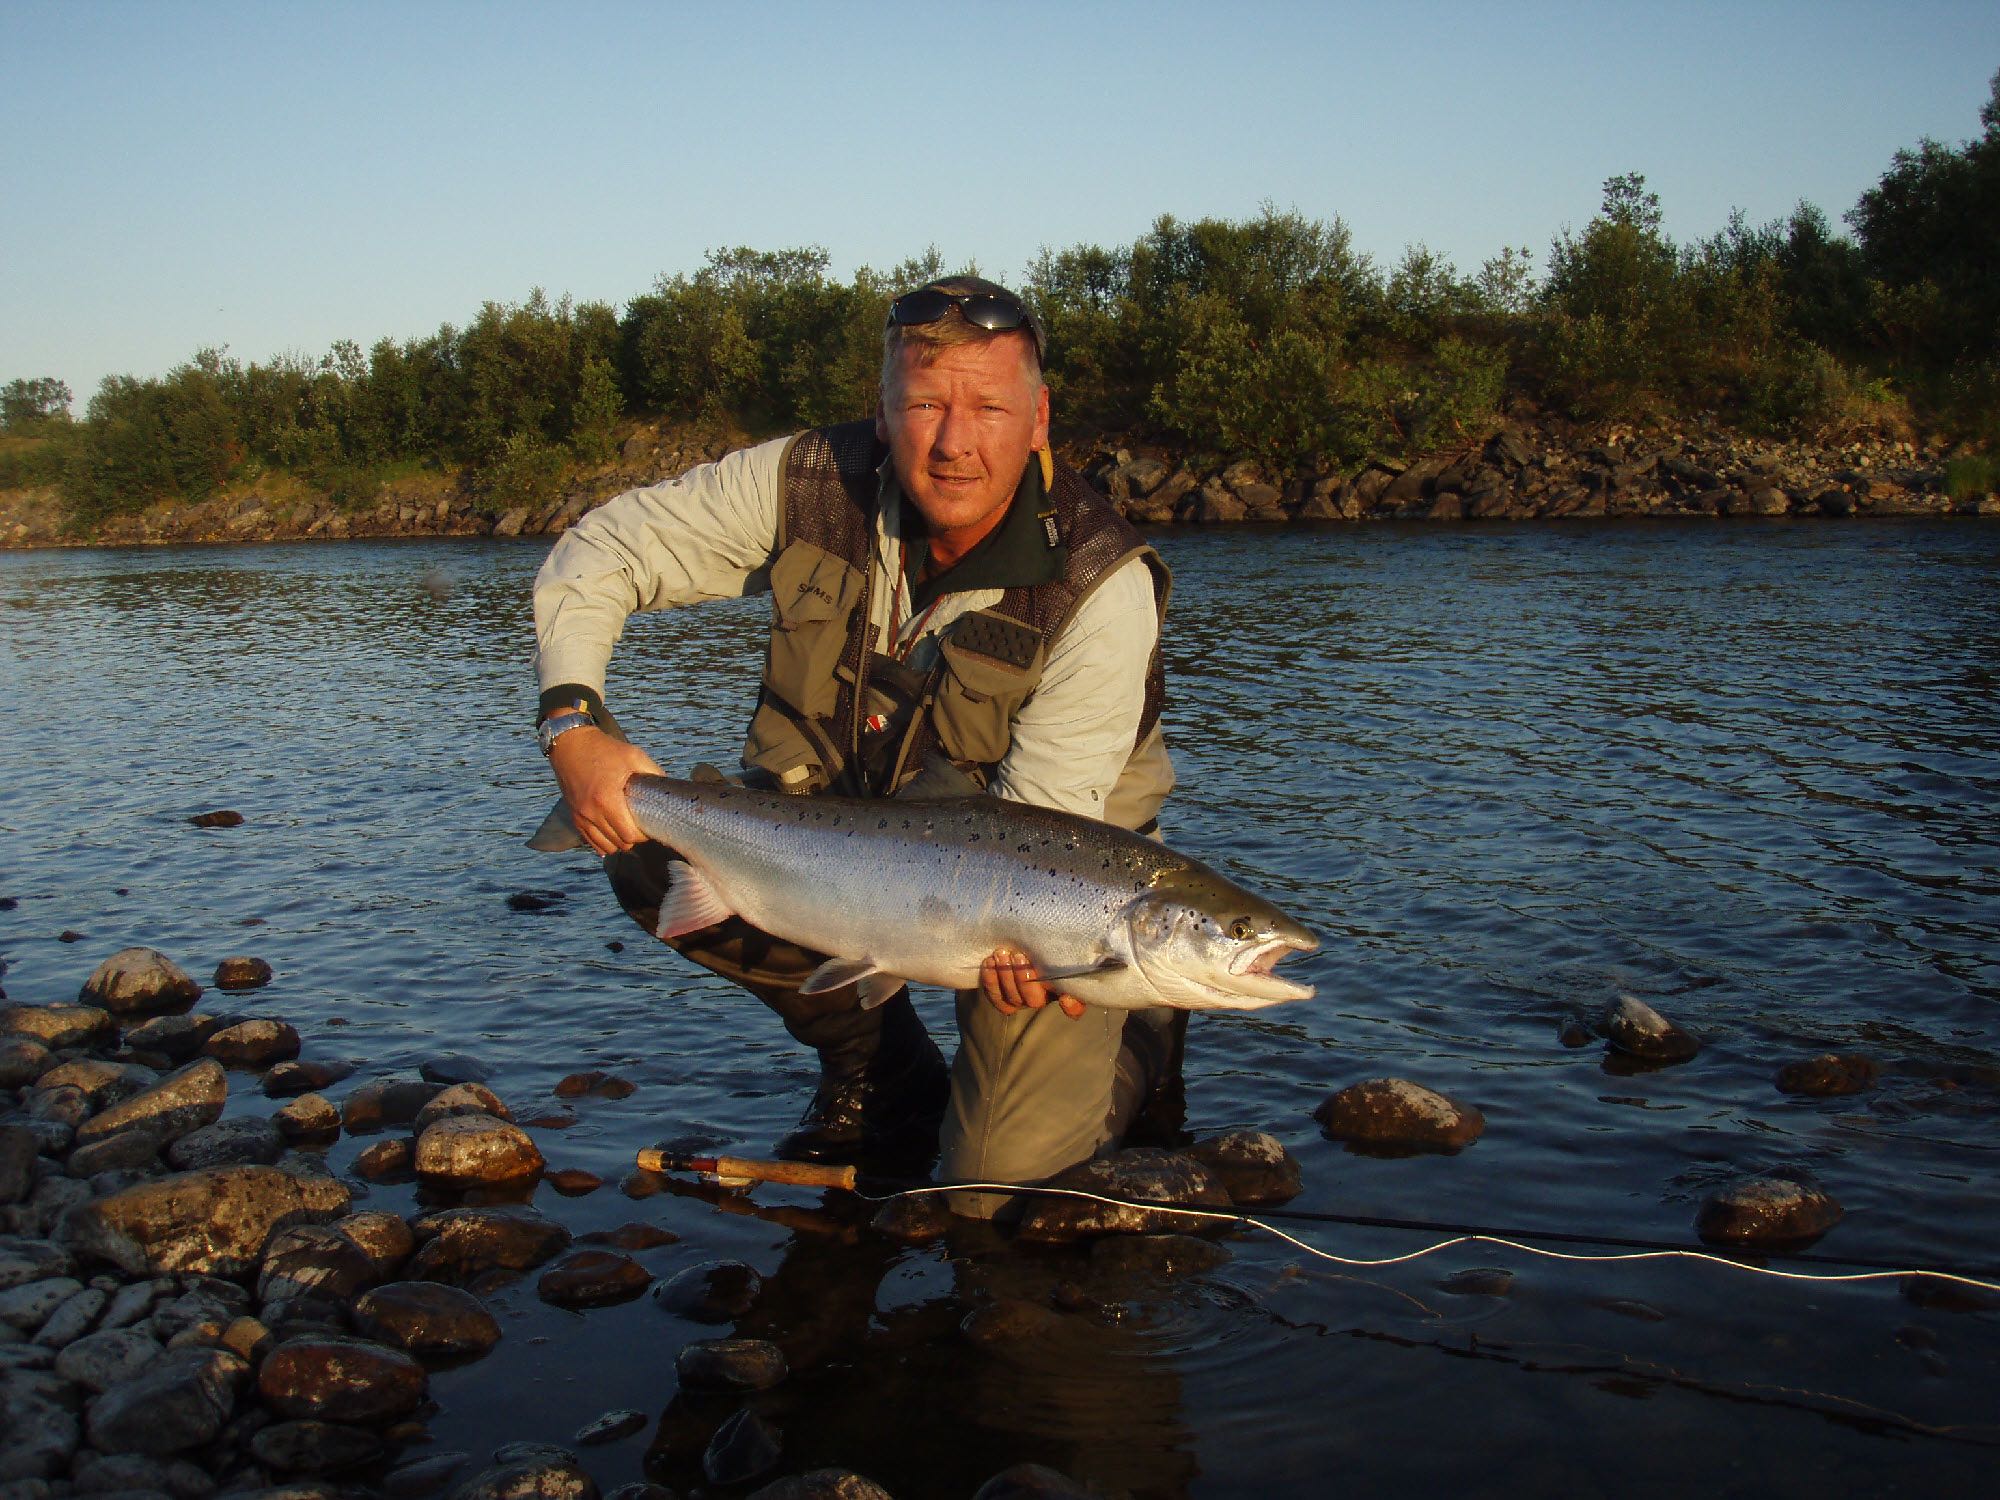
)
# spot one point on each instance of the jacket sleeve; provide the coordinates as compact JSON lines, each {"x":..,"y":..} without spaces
{"x":708,"y":534}
{"x":1071,"y":739}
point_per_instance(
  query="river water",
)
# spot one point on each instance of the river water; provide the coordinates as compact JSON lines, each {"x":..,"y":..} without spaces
{"x":1745,"y":772}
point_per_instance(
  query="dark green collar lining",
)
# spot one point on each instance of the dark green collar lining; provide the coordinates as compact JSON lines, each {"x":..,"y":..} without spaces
{"x":1018,"y":553}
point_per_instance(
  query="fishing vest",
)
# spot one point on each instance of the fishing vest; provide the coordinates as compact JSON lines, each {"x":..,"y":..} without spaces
{"x":820,"y":723}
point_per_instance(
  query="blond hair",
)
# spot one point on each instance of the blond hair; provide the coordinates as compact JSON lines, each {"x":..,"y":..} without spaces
{"x":950,"y":332}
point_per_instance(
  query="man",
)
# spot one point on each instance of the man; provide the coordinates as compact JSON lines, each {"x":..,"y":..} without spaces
{"x":941,"y":591}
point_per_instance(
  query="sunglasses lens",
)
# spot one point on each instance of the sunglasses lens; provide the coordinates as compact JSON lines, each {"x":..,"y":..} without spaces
{"x":993,"y":312}
{"x":917,"y":308}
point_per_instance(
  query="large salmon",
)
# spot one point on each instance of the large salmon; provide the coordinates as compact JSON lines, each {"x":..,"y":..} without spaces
{"x":924,"y":889}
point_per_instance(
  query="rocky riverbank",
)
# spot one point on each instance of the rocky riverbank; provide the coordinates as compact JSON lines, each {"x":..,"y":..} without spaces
{"x":1532,"y":468}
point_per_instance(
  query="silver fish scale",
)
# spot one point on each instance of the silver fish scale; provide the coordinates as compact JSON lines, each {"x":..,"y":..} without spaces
{"x":925,"y":889}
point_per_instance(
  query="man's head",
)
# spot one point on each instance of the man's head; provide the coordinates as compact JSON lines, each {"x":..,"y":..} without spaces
{"x":963,"y":405}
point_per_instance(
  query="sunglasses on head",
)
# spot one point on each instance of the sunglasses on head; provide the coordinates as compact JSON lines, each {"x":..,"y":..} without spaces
{"x":999,"y":312}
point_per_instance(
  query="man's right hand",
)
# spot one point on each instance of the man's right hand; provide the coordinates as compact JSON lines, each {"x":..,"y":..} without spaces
{"x":592,"y":768}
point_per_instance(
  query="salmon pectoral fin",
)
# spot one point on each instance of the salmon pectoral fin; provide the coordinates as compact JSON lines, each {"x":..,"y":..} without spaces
{"x":691,"y":903}
{"x":877,"y":984}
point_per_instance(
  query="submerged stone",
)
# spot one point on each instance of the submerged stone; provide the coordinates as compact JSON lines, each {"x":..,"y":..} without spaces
{"x":1633,"y":1027}
{"x":139,"y":981}
{"x":386,"y":1101}
{"x":822,"y":1484}
{"x":597,"y":1084}
{"x":458,"y":1244}
{"x":714,"y":1291}
{"x":574,"y":1182}
{"x":744,"y":1448}
{"x":304,"y":1076}
{"x":730,"y":1365}
{"x":1829,"y":1075}
{"x":1009,"y":1321}
{"x":593,"y":1278}
{"x":921,"y":1220}
{"x":1031,"y":1482}
{"x":221,"y":817}
{"x":454,"y":1067}
{"x":1397,"y":1115}
{"x":1157,"y":1255}
{"x":630,"y":1237}
{"x":1766,"y":1212}
{"x":610,"y":1427}
{"x":340,"y":1380}
{"x":553,"y":1477}
{"x":1254,"y":1166}
{"x":1478,"y":1281}
{"x":313,"y":1447}
{"x":1138,"y":1178}
{"x":257,"y":1043}
{"x":242,"y":973}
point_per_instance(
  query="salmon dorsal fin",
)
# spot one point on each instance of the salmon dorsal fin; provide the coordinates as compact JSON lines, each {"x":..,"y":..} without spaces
{"x":691,"y":903}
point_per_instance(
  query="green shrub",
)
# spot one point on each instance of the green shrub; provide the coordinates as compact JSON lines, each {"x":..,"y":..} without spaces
{"x":1971,"y":475}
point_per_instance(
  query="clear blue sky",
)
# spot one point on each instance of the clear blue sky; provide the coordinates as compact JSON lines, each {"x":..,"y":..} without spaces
{"x":274,"y":176}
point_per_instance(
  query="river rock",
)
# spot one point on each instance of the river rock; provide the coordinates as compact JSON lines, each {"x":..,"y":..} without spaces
{"x":298,"y":1076}
{"x":426,"y":1318}
{"x":179,"y":1402}
{"x":176,"y":1038}
{"x":386,"y":1159}
{"x":130,"y":1474}
{"x":1010,"y":1320}
{"x":1157,"y":1256}
{"x":248,"y":1139}
{"x":26,"y":1260}
{"x":610,"y":1427}
{"x":730,"y":1365}
{"x":1397,"y":1115}
{"x":216,"y":1221}
{"x":17,"y":1162}
{"x":453,"y":1067}
{"x":822,"y":1484}
{"x":423,"y":1476}
{"x":593,"y":1278}
{"x":254,"y":1044}
{"x":922,"y":1220}
{"x":101,"y":1082}
{"x":644,"y":1489}
{"x":23,"y":1059}
{"x":713,"y":1291}
{"x":132,"y":1151}
{"x":1031,"y":1482}
{"x":551,"y":1476}
{"x":313,"y":1260}
{"x":180,"y":1102}
{"x":221,"y":817}
{"x":1829,"y":1075}
{"x":1140,"y":1173}
{"x":41,"y":1431}
{"x":138,"y":982}
{"x":1766,"y":1212}
{"x":630,"y":1237}
{"x":1254,"y":1167}
{"x":597,"y":1084}
{"x":242,"y":973}
{"x":457,"y":1244}
{"x":1478,"y":1281}
{"x":744,"y":1448}
{"x":476,"y":1151}
{"x":73,"y":1319}
{"x":135,"y":1300}
{"x":310,"y":1447}
{"x":381,"y":1236}
{"x":574,"y":1182}
{"x":340,"y":1380}
{"x":25,"y":1308}
{"x":51,"y":1137}
{"x":386,"y":1101}
{"x":461,"y":1099}
{"x":58,"y":1025}
{"x":308,"y":1118}
{"x":1633,"y":1027}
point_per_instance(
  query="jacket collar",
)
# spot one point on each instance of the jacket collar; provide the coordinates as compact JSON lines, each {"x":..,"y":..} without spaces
{"x":1024,"y":550}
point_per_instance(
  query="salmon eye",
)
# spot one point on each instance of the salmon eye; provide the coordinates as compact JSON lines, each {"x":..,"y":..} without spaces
{"x":1241,"y":930}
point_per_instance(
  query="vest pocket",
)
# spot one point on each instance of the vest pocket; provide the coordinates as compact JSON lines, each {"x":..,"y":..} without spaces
{"x":813,"y":594}
{"x":976,"y":698}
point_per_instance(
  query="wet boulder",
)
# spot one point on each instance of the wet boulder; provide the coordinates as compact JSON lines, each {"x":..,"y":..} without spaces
{"x":58,"y":1025}
{"x":178,"y":1402}
{"x":921,"y":1220}
{"x":41,"y":1431}
{"x":1766,"y":1213}
{"x":385,"y":1160}
{"x":340,"y":1380}
{"x":421,"y":1477}
{"x":26,"y":1307}
{"x":242,"y":973}
{"x":551,"y":1475}
{"x":176,"y":1038}
{"x":181,"y":1102}
{"x":1031,"y":1482}
{"x":1829,"y":1075}
{"x":574,"y":1182}
{"x":426,"y":1318}
{"x":247,"y":1139}
{"x":1477,"y":1281}
{"x":286,"y":1080}
{"x":476,"y":1150}
{"x":139,"y":982}
{"x":26,"y":1260}
{"x":221,"y":817}
{"x":1157,"y":1257}
{"x":730,"y":1365}
{"x":453,"y":1067}
{"x":1633,"y":1027}
{"x":102,"y":1083}
{"x":822,"y":1484}
{"x":310,"y":1118}
{"x":23,"y":1059}
{"x":1009,"y":1321}
{"x":1137,"y":1178}
{"x":382,"y":1236}
{"x":312,"y":1447}
{"x":713,"y":1291}
{"x":382,"y":1102}
{"x":71,"y":1321}
{"x":1254,"y":1167}
{"x":458,"y":1244}
{"x":216,"y":1221}
{"x":133,"y":1151}
{"x":1394,"y":1114}
{"x":595,"y":1083}
{"x":744,"y":1448}
{"x":256,"y":1043}
{"x":610,"y":1427}
{"x":313,"y":1260}
{"x":461,"y":1099}
{"x":17,"y":1162}
{"x":593,"y":1278}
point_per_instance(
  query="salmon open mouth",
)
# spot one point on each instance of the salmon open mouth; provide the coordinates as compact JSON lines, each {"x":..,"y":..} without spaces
{"x":1253,"y":969}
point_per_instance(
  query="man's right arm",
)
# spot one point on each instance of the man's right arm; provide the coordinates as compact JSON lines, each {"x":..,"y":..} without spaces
{"x":707,"y":535}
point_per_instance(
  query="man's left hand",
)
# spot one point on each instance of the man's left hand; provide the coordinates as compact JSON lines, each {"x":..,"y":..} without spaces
{"x":1008,"y":982}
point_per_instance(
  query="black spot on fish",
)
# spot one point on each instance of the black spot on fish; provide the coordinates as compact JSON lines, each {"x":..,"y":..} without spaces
{"x":882,"y":823}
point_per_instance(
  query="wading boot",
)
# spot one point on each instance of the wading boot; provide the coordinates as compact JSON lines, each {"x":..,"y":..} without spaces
{"x":1149,"y":1095}
{"x":882,"y":1088}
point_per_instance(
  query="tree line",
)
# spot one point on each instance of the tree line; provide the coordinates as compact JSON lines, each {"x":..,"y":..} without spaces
{"x":1269,"y":336}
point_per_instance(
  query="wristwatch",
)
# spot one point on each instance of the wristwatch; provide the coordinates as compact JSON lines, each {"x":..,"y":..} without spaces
{"x":556,"y":725}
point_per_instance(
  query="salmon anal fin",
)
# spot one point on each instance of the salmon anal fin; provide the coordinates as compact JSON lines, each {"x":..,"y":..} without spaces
{"x":690,"y":903}
{"x":877,"y":985}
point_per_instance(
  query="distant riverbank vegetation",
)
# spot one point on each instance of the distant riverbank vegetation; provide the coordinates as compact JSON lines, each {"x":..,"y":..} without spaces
{"x":1269,"y":337}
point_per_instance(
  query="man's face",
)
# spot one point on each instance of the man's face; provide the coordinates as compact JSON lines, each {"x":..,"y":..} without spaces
{"x":960,"y":430}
